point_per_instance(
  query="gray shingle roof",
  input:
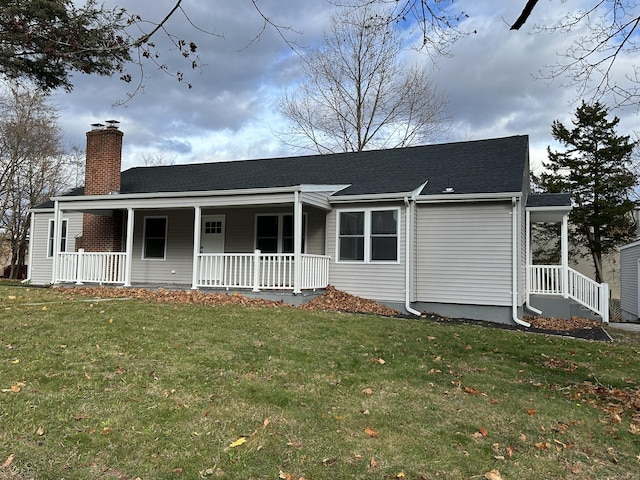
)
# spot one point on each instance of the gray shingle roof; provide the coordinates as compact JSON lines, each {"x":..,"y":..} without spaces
{"x":482,"y":166}
{"x":549,"y":200}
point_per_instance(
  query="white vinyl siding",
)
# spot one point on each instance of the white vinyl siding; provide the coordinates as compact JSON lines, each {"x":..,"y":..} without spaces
{"x":629,"y":270}
{"x":40,"y":263}
{"x":464,"y":253}
{"x":383,"y":281}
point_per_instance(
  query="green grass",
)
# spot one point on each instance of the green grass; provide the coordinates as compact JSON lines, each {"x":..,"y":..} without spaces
{"x":127,"y":389}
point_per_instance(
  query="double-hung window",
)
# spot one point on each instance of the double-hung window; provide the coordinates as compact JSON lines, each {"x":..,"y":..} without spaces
{"x":155,"y":238}
{"x":274,"y":233}
{"x":63,"y":237}
{"x":368,"y":235}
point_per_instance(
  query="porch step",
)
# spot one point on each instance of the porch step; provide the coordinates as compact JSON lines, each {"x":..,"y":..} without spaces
{"x":559,"y":307}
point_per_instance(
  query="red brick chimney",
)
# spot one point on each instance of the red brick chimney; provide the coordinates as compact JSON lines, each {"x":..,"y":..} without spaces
{"x":104,"y":156}
{"x":102,"y":233}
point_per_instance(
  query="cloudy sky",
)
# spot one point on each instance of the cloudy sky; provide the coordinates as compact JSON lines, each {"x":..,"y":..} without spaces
{"x":231,"y":112}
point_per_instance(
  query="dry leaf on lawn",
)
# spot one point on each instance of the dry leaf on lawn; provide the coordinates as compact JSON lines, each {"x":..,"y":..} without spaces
{"x":238,"y":442}
{"x":371,"y":432}
{"x":493,"y":475}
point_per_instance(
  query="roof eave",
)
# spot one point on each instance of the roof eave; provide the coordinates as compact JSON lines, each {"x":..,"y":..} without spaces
{"x":467,"y":197}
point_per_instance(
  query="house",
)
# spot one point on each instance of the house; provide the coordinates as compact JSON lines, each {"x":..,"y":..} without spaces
{"x":441,"y":228}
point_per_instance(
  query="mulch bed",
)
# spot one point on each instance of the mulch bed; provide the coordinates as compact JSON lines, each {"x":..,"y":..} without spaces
{"x":575,"y":327}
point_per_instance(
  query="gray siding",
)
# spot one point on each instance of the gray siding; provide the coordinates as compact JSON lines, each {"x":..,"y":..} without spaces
{"x":629,"y":257}
{"x":464,"y":253}
{"x":382,"y":282}
{"x":41,"y":266}
{"x":177,"y":266}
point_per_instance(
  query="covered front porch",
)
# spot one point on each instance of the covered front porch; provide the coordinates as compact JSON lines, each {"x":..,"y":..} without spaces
{"x":274,"y":240}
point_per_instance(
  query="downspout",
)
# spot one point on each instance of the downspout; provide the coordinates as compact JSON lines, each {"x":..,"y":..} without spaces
{"x":408,"y":223}
{"x":514,"y":263}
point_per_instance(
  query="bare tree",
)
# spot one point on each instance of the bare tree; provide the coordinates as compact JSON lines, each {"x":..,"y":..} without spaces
{"x":31,"y":164}
{"x":357,"y":94}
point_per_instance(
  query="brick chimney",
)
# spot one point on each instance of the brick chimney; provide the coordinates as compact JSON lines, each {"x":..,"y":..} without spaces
{"x":104,"y":157}
{"x":103,"y":232}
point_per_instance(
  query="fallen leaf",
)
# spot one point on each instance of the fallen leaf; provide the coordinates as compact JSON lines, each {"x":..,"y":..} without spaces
{"x":634,"y":429}
{"x":8,"y":461}
{"x":543,"y":445}
{"x":471,"y":391}
{"x":371,"y":432}
{"x":493,"y":475}
{"x":531,"y":412}
{"x":381,"y":361}
{"x":372,"y":464}
{"x":44,"y":309}
{"x":15,"y":388}
{"x":400,"y":475}
{"x":483,"y":431}
{"x":287,"y":476}
{"x":238,"y":442}
{"x":17,"y":360}
{"x":367,"y":391}
{"x":265,"y":422}
{"x":40,"y":431}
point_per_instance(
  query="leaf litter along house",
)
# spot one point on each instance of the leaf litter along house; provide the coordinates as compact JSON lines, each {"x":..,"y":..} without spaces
{"x":438,"y":228}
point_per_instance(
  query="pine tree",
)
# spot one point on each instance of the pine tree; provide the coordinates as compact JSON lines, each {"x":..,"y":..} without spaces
{"x":596,"y":168}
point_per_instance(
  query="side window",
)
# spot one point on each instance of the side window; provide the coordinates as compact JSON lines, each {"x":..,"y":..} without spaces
{"x":351,"y":236}
{"x":63,"y":237}
{"x":368,"y":235}
{"x":384,"y":235}
{"x":155,"y":238}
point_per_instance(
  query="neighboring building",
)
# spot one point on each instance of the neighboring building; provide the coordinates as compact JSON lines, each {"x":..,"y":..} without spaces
{"x":442,"y":228}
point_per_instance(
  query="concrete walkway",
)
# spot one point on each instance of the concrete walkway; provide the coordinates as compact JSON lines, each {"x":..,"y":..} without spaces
{"x":629,"y":327}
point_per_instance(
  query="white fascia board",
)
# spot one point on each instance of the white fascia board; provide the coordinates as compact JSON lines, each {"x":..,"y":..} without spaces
{"x":378,"y":197}
{"x":629,"y":245}
{"x":467,"y":197}
{"x":322,"y":188}
{"x":177,"y":199}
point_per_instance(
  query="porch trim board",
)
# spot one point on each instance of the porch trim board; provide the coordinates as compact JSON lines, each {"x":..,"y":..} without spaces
{"x":565,"y":281}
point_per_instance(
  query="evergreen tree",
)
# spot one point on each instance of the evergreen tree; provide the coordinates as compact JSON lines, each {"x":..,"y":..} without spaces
{"x":596,"y":168}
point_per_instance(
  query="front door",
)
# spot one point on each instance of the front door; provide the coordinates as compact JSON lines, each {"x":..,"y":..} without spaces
{"x":212,"y":241}
{"x":212,"y":234}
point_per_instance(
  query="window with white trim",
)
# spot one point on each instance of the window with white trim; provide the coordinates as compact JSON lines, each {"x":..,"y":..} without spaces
{"x":63,"y":237}
{"x":154,"y":245}
{"x":368,"y":235}
{"x":274,"y":233}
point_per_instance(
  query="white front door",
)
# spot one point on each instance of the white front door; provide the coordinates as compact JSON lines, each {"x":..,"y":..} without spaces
{"x":212,"y":234}
{"x":212,"y":241}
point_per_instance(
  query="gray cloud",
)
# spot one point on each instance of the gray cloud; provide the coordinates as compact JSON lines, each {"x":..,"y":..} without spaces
{"x":230,"y":112}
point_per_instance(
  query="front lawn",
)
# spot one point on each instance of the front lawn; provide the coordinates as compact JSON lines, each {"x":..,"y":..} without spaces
{"x":126,"y":389}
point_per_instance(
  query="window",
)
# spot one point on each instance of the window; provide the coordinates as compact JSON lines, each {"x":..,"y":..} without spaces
{"x":155,"y":238}
{"x":274,"y":233}
{"x":63,"y":237}
{"x":368,"y":235}
{"x":213,"y":226}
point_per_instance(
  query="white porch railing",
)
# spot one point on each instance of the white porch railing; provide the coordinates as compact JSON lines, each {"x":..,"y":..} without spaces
{"x":92,"y":267}
{"x":260,"y":271}
{"x":548,"y":280}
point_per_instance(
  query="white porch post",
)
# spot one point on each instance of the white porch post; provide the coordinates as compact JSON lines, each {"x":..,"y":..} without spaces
{"x":57,"y":230}
{"x":297,"y":242}
{"x":528,"y":255}
{"x":129,"y":248}
{"x":197,"y":226}
{"x":565,"y":255}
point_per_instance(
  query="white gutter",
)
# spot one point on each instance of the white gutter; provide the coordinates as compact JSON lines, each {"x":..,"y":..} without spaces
{"x":409,"y":206}
{"x":467,"y":197}
{"x":514,"y":263}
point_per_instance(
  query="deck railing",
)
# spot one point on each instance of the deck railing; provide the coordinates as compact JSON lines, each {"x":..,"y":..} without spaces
{"x":260,"y":271}
{"x":91,"y":267}
{"x":549,"y":280}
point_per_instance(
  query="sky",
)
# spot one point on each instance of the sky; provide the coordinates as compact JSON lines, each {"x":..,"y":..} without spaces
{"x":231,"y":112}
